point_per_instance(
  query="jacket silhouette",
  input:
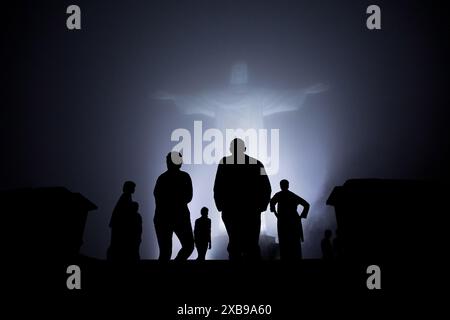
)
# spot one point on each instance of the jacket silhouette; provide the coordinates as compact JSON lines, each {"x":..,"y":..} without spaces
{"x":121,"y":213}
{"x":173,"y":192}
{"x":290,"y":230}
{"x":202,"y":234}
{"x":124,"y":201}
{"x":241,"y":192}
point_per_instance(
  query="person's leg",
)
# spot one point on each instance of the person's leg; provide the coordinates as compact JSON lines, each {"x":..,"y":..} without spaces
{"x":281,"y":239}
{"x":250,"y":235}
{"x":164,"y":236}
{"x":137,"y":254}
{"x":298,"y":240}
{"x":293,"y":248}
{"x":201,"y":250}
{"x":183,"y":230}
{"x":299,"y":250}
{"x":234,"y":251}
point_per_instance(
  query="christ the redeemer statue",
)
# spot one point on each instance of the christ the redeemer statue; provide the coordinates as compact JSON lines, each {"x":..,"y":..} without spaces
{"x":240,"y":105}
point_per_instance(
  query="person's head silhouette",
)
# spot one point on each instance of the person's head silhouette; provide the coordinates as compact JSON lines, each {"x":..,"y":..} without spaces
{"x":129,"y":187}
{"x":284,"y":185}
{"x":174,"y":160}
{"x":328,"y":234}
{"x":237,"y":146}
{"x":204,"y":212}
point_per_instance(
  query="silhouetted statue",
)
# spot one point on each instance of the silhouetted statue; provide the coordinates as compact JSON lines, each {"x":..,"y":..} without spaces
{"x":327,"y":248}
{"x":202,"y":234}
{"x":337,"y":247}
{"x":241,"y":105}
{"x":241,"y":192}
{"x":173,"y":192}
{"x":120,"y":212}
{"x":290,"y":230}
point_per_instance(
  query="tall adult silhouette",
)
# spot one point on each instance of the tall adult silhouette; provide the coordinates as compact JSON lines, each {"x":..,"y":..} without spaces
{"x":290,"y":230}
{"x":129,"y":187}
{"x":129,"y":231}
{"x":202,"y":234}
{"x":173,"y":192}
{"x":120,"y":213}
{"x":241,"y":192}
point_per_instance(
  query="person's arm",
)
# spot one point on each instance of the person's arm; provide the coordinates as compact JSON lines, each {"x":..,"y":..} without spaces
{"x":209,"y":233}
{"x":218,"y":187}
{"x":266,"y":189}
{"x":189,"y":191}
{"x":305,"y":206}
{"x":195,"y":230}
{"x":273,"y":203}
{"x":156,"y":192}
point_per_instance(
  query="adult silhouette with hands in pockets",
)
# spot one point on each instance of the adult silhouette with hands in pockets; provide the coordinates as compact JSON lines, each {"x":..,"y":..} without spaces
{"x":241,"y":192}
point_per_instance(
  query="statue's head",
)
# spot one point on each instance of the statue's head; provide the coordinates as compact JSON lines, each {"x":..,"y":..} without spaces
{"x":239,"y":73}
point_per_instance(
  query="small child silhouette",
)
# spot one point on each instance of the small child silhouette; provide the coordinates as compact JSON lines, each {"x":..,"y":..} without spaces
{"x":202,"y":234}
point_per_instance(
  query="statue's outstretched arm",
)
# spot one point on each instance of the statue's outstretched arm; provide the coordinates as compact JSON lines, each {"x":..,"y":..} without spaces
{"x":188,"y":104}
{"x":288,"y":100}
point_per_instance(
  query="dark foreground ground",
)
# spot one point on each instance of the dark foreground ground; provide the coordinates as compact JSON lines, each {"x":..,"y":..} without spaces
{"x":398,"y":226}
{"x":158,"y":290}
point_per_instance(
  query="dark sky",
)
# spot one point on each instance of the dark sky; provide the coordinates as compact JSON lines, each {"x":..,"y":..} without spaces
{"x":77,"y":107}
